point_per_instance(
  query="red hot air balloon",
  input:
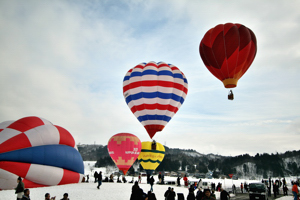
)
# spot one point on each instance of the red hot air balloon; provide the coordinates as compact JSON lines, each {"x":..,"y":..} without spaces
{"x":227,"y":51}
{"x":124,"y":148}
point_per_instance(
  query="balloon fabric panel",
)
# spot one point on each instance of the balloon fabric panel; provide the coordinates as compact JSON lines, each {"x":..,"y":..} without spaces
{"x":52,"y":155}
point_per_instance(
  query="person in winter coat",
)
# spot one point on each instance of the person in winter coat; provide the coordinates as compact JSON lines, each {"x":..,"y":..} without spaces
{"x":20,"y":188}
{"x":199,"y":194}
{"x":151,"y":182}
{"x":65,"y":197}
{"x":99,"y":179}
{"x":171,"y":195}
{"x":47,"y":197}
{"x":151,"y":196}
{"x":96,"y":176}
{"x":275,"y":189}
{"x":200,"y":183}
{"x":191,"y":195}
{"x":178,"y":181}
{"x":137,"y":193}
{"x":285,"y":190}
{"x":26,"y":195}
{"x":167,"y":193}
{"x":207,"y":195}
{"x":224,"y":194}
{"x":185,"y":179}
{"x":295,"y":191}
{"x":159,"y":178}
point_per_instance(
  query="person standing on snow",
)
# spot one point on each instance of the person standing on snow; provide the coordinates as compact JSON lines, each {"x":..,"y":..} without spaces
{"x":20,"y":188}
{"x":140,"y":178}
{"x":224,"y":194}
{"x":185,"y":179}
{"x":233,"y":189}
{"x":295,"y":191}
{"x":171,"y":195}
{"x":167,"y":193}
{"x":96,"y":176}
{"x":137,"y":193}
{"x":191,"y":195}
{"x":99,"y":179}
{"x":151,"y":182}
{"x":159,"y":178}
{"x":178,"y":181}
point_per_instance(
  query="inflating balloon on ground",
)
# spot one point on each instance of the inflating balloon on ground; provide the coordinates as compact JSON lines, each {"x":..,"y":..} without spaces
{"x":40,"y":152}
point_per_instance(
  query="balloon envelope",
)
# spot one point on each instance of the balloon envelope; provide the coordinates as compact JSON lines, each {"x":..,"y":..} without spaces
{"x":150,"y":157}
{"x":154,"y":92}
{"x":40,"y":152}
{"x":227,"y":51}
{"x":124,"y":148}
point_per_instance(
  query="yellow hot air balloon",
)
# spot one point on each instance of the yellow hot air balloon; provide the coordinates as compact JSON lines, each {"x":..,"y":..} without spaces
{"x":151,"y":156}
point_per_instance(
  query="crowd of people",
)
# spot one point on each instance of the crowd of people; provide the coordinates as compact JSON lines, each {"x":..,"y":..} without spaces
{"x":138,"y":194}
{"x":24,"y":193}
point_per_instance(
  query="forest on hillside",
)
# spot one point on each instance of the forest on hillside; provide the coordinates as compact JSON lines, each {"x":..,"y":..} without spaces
{"x":264,"y":164}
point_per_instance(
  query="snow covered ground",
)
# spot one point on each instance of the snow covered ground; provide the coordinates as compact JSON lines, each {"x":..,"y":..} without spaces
{"x":115,"y":191}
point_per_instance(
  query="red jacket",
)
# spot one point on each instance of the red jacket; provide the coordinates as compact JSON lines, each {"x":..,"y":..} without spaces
{"x":295,"y":188}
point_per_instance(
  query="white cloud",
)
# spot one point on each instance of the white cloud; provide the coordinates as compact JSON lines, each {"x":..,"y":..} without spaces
{"x":65,"y":62}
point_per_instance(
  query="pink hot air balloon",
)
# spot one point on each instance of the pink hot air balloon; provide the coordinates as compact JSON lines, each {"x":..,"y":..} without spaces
{"x":124,"y":148}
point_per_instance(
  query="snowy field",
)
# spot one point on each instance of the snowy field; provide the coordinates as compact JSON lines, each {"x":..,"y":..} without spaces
{"x":116,"y":191}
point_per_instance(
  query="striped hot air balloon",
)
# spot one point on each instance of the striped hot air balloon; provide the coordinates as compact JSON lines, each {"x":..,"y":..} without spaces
{"x":40,"y":152}
{"x":124,"y":148}
{"x":154,"y":92}
{"x":227,"y":51}
{"x":151,"y":156}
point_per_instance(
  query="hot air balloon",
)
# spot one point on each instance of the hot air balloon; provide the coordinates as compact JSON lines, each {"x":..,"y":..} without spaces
{"x":227,"y":51}
{"x":40,"y":152}
{"x":151,"y":156}
{"x":154,"y":92}
{"x":124,"y":148}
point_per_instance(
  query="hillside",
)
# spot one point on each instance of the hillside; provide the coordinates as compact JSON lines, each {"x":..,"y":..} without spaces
{"x":243,"y":166}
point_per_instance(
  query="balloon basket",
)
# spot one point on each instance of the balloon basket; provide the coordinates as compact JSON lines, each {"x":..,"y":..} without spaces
{"x":230,"y":95}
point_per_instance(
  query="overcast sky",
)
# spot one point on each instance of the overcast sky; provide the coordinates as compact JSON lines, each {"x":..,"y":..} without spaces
{"x":65,"y":61}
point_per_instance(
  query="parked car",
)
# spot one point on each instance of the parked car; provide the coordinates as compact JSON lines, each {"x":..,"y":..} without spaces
{"x":258,"y":191}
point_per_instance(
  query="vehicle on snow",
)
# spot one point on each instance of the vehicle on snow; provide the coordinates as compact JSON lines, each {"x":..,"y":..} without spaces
{"x":258,"y":191}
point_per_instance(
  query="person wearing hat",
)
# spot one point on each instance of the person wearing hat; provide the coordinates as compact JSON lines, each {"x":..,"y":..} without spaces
{"x":207,"y":195}
{"x":20,"y":188}
{"x":65,"y":197}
